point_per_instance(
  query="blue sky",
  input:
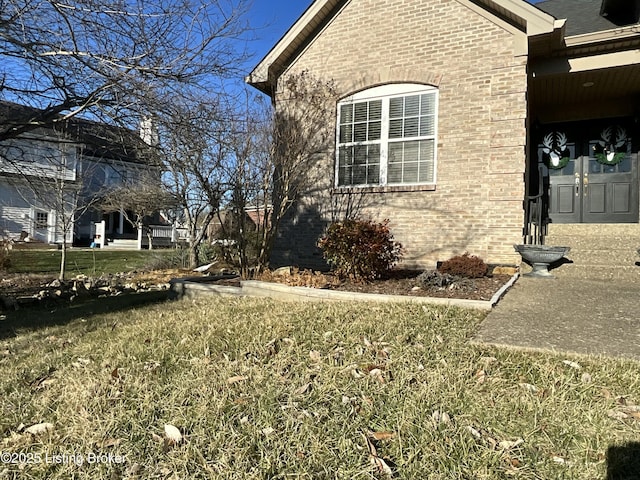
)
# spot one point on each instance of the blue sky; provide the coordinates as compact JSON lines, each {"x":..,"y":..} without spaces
{"x":272,"y":18}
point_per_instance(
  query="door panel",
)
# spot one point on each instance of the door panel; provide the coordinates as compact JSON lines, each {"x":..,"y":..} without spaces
{"x":587,"y":190}
{"x":565,"y":199}
{"x":621,"y":197}
{"x":596,"y":198}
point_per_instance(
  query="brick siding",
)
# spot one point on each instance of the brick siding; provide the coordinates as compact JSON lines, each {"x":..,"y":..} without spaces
{"x":477,"y":203}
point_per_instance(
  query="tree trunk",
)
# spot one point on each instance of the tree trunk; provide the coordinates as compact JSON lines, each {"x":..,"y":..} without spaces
{"x":193,"y":255}
{"x":63,"y":259}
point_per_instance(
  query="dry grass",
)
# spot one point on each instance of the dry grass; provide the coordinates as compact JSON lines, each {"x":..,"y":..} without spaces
{"x":267,"y":390}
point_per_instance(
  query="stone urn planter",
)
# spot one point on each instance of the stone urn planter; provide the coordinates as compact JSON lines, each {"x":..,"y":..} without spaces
{"x":540,"y":257}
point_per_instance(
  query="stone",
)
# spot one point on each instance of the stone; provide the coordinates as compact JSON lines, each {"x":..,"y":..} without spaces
{"x":502,"y":270}
{"x":282,"y":272}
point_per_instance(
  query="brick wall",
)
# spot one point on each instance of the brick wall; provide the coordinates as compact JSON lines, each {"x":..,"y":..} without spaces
{"x":477,"y":203}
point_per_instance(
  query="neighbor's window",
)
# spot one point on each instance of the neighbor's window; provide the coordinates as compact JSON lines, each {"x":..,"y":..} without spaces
{"x":41,"y":220}
{"x":387,"y":136}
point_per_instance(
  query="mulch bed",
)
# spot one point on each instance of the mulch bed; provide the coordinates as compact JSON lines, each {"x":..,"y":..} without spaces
{"x":401,"y":282}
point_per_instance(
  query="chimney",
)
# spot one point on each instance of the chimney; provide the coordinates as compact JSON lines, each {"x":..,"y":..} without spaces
{"x":149,"y":131}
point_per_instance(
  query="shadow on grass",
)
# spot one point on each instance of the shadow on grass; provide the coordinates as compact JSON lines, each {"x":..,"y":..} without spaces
{"x":623,"y":462}
{"x":34,"y":318}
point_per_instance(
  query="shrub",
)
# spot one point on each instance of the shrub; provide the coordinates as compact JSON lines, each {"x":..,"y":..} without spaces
{"x":5,"y":261}
{"x":466,"y":265}
{"x":360,"y":249}
{"x":434,"y":279}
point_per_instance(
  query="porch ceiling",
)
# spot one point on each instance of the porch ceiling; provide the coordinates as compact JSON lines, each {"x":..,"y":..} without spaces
{"x":575,"y":94}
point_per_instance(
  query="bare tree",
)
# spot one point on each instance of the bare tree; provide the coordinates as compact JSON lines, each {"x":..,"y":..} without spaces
{"x":110,"y":59}
{"x":281,"y":153}
{"x":194,"y":150}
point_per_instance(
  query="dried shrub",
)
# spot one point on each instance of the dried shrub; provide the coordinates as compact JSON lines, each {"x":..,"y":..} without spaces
{"x":299,"y":278}
{"x":433,"y":279}
{"x":468,"y":266}
{"x":5,"y":261}
{"x":361,"y":250}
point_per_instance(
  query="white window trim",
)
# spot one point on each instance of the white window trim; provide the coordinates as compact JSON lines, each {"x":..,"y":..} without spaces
{"x":384,"y":92}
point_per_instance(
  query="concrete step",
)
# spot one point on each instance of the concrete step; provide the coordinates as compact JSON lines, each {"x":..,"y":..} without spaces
{"x":628,"y":273}
{"x":598,"y":251}
{"x":122,"y":244}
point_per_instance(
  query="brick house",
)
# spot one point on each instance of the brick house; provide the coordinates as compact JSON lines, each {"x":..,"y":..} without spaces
{"x":472,"y":125}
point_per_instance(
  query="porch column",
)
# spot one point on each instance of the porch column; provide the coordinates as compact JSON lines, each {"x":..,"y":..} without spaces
{"x":121,"y":224}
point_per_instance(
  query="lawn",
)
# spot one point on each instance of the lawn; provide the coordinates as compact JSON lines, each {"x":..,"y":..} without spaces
{"x":82,"y":261}
{"x":257,"y":389}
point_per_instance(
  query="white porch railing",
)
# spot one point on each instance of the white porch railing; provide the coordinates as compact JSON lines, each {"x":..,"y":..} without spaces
{"x":98,"y":234}
{"x":160,"y":235}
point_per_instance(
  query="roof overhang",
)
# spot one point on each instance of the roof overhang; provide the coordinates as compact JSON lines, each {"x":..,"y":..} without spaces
{"x":519,"y":13}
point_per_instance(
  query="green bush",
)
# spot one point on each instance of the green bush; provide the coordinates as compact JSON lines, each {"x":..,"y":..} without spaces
{"x":360,"y":249}
{"x":468,"y":266}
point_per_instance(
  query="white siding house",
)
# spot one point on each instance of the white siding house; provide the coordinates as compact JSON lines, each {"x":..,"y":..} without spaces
{"x":51,"y":179}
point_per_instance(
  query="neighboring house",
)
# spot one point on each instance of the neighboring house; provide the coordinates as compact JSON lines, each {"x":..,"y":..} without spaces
{"x":452,"y":114}
{"x":51,"y":173}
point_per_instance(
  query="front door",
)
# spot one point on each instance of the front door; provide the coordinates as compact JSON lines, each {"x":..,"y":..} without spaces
{"x":592,"y":172}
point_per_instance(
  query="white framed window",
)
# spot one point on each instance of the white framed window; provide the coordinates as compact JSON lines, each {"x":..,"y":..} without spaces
{"x":387,"y":135}
{"x":42,"y":220}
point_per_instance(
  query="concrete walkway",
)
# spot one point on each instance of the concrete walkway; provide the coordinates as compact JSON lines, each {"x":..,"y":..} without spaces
{"x":570,"y":313}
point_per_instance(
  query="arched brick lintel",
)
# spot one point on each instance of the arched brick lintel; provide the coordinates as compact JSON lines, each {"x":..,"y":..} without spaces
{"x":394,"y":75}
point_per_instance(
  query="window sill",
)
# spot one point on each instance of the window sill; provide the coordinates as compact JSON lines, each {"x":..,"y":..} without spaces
{"x":383,"y":189}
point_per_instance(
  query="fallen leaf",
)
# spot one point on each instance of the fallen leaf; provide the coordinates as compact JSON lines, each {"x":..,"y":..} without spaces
{"x":377,"y":374}
{"x":507,"y":444}
{"x":151,"y":366}
{"x":528,"y":387}
{"x":267,"y":431}
{"x":114,"y":373}
{"x":571,"y":364}
{"x":306,"y":388}
{"x":481,"y":376}
{"x":586,"y":378}
{"x":440,"y":417}
{"x":474,"y":432}
{"x":617,"y":414}
{"x":172,"y":434}
{"x":381,"y":466}
{"x":632,"y":411}
{"x":236,"y":379}
{"x":384,"y":353}
{"x":109,"y":442}
{"x":380,"y":436}
{"x":315,"y":356}
{"x":488,"y":360}
{"x":46,"y":383}
{"x":39,"y":428}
